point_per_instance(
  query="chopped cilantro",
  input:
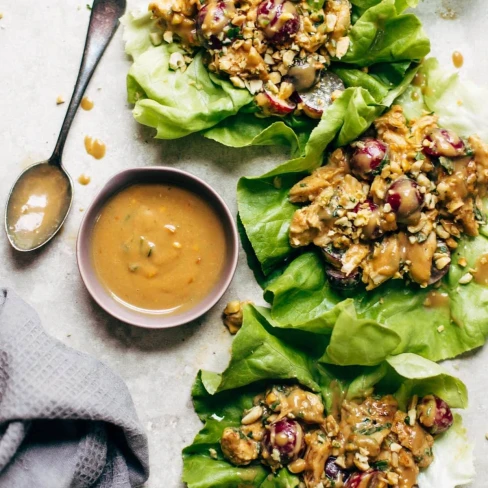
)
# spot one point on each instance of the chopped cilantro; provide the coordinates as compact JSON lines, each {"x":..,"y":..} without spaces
{"x":380,"y":465}
{"x":234,"y":33}
{"x":447,"y":164}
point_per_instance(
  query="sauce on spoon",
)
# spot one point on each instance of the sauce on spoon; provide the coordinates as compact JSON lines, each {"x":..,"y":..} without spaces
{"x":38,"y":205}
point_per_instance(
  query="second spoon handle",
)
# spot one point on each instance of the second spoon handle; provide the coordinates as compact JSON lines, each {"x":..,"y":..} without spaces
{"x":104,"y":21}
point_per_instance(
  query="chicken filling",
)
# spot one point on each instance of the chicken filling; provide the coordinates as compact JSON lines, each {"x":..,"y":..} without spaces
{"x":370,"y":443}
{"x":393,"y":205}
{"x":277,"y":49}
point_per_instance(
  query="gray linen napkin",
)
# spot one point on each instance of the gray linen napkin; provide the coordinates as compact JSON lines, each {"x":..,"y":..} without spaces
{"x":66,"y":420}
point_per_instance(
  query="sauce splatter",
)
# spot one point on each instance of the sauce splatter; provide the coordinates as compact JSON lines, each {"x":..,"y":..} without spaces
{"x":457,"y":59}
{"x":84,"y":179}
{"x":481,"y":273}
{"x":87,"y":103}
{"x":436,"y":299}
{"x":95,"y":147}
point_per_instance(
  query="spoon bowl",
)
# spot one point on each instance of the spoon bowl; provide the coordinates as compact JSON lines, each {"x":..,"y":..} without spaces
{"x":40,"y":200}
{"x":38,"y":205}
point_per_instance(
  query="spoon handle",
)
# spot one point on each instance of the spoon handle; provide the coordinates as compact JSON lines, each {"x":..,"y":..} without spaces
{"x":104,"y":21}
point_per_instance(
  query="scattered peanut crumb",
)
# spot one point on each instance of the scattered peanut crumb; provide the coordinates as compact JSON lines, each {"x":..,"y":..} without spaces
{"x":60,"y":100}
{"x":177,"y":245}
{"x":462,"y":262}
{"x":233,"y":315}
{"x":440,"y":328}
{"x":465,"y":279}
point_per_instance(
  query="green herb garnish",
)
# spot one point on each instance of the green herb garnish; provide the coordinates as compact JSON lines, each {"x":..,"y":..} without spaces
{"x":447,"y":164}
{"x":380,"y":465}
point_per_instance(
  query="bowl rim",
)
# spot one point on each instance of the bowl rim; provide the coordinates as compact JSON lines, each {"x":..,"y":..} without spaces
{"x":88,"y":273}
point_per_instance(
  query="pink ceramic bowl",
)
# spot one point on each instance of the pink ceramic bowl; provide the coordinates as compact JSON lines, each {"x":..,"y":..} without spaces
{"x":165,"y":175}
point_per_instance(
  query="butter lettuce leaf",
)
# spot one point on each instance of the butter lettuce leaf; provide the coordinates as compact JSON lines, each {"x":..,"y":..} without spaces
{"x":392,"y":319}
{"x":383,"y":34}
{"x":453,"y":460}
{"x":222,"y":406}
{"x":455,"y":99}
{"x":366,"y":326}
{"x":177,"y":103}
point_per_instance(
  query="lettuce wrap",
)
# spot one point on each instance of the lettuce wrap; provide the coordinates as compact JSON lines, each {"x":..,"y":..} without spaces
{"x":383,"y":38}
{"x":263,"y":354}
{"x":365,"y":326}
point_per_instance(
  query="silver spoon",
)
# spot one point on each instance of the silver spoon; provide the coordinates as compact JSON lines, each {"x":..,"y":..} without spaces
{"x":41,"y":198}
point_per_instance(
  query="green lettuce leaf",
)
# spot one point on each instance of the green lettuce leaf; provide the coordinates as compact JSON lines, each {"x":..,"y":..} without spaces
{"x":258,"y":355}
{"x":368,"y":326}
{"x":456,"y":100}
{"x":384,"y":34}
{"x":391,"y":319}
{"x":222,"y":406}
{"x":248,"y":130}
{"x":264,"y":209}
{"x":453,"y":460}
{"x":177,"y":104}
{"x":174,"y":103}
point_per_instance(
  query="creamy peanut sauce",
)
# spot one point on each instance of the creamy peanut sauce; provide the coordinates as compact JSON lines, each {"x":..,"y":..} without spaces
{"x":457,"y":59}
{"x":95,"y":147}
{"x":87,"y":103}
{"x":436,"y":299}
{"x":481,"y":273}
{"x":84,"y":180}
{"x":38,"y":205}
{"x":158,"y":248}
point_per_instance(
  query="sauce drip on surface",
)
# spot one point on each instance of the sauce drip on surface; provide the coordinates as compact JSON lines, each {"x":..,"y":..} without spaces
{"x":158,"y":249}
{"x":87,"y":103}
{"x":38,"y":205}
{"x":84,"y":179}
{"x":457,"y":59}
{"x":95,"y":147}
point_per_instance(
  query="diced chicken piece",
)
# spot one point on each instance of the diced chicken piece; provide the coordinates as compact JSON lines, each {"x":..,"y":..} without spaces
{"x":318,"y":450}
{"x":419,"y":257}
{"x":239,"y":449}
{"x":414,"y":438}
{"x":254,"y":431}
{"x":302,"y":232}
{"x":331,"y":174}
{"x":421,"y":128}
{"x":384,"y":264}
{"x":407,"y":469}
{"x":354,"y":256}
{"x":177,"y":16}
{"x":341,"y":9}
{"x":481,"y":159}
{"x":298,"y":403}
{"x":393,"y":130}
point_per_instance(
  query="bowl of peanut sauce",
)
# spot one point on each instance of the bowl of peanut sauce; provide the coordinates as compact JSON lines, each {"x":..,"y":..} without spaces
{"x":157,"y":248}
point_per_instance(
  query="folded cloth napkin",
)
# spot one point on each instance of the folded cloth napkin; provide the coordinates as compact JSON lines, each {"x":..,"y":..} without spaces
{"x":66,"y":420}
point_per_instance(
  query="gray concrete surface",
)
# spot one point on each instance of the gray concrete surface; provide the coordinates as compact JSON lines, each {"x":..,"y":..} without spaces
{"x":40,"y":49}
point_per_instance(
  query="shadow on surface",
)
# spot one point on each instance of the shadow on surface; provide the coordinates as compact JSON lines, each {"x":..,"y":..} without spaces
{"x":132,"y":337}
